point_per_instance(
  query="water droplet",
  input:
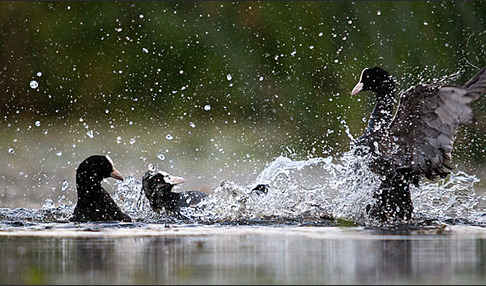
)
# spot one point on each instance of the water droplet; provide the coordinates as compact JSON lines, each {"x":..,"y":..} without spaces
{"x":207,"y":107}
{"x":229,"y":77}
{"x":64,"y":185}
{"x":321,"y":34}
{"x":181,"y":72}
{"x":192,"y":124}
{"x":260,"y":78}
{"x":161,"y":157}
{"x":169,"y":137}
{"x":378,"y":12}
{"x":37,"y":123}
{"x":145,"y":50}
{"x":39,"y":74}
{"x":426,"y":23}
{"x":118,"y":139}
{"x":90,"y":133}
{"x":11,"y":150}
{"x":132,"y":140}
{"x":59,"y":154}
{"x":140,"y":16}
{"x":48,"y":204}
{"x":107,"y":111}
{"x":34,"y":84}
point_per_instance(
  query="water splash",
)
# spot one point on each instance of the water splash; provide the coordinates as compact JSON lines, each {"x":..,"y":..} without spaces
{"x":283,"y":166}
{"x":320,"y":188}
{"x":450,"y":198}
{"x":314,"y":190}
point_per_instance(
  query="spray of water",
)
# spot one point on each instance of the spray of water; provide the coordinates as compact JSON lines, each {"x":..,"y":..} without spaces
{"x":450,"y":198}
{"x":325,"y":187}
{"x":315,"y":189}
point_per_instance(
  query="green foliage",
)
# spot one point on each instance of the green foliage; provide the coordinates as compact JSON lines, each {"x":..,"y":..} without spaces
{"x":288,"y":64}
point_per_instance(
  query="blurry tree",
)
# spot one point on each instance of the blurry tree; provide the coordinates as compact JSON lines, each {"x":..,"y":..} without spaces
{"x":289,"y":65}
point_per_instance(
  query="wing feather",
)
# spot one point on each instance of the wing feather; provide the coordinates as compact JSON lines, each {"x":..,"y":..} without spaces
{"x":425,"y":125}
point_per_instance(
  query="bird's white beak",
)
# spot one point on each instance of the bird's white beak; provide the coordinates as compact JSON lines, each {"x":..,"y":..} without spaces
{"x":116,"y":175}
{"x":357,"y":88}
{"x":173,"y":180}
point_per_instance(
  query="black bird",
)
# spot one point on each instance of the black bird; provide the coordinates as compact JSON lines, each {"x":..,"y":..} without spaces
{"x":94,"y":202}
{"x":157,"y":187}
{"x":415,"y":142}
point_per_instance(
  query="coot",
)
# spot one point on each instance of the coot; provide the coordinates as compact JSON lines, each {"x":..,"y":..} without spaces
{"x":157,"y":186}
{"x":94,"y":202}
{"x":417,"y":140}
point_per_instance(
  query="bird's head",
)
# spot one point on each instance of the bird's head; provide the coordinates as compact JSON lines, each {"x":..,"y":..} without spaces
{"x":374,"y":79}
{"x":160,"y":182}
{"x":95,"y":168}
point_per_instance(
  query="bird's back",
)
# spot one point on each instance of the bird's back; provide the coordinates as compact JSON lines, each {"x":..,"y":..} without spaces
{"x":98,"y":206}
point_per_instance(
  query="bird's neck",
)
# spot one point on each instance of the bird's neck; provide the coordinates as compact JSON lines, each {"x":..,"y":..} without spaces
{"x":382,"y":114}
{"x":165,"y":190}
{"x":87,"y":185}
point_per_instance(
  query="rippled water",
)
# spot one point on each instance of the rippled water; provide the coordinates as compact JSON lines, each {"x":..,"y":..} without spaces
{"x":132,"y":253}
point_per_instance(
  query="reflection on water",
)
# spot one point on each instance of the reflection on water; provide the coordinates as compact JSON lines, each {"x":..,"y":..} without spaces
{"x":270,"y":256}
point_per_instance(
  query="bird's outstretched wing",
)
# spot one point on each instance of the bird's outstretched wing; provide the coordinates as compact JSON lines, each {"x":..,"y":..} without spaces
{"x":426,"y":123}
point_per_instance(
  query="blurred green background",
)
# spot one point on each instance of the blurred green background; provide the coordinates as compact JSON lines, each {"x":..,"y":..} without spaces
{"x":211,"y":90}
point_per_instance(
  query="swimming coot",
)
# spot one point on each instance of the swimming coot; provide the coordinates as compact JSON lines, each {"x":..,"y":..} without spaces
{"x":417,"y":140}
{"x":94,"y":202}
{"x":157,"y":186}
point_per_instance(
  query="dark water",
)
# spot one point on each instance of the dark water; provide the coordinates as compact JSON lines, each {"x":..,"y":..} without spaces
{"x":86,"y":254}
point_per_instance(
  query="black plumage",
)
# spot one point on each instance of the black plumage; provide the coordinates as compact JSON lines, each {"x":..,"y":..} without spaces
{"x":95,"y":203}
{"x":157,"y":187}
{"x":417,"y":141}
{"x":260,"y":189}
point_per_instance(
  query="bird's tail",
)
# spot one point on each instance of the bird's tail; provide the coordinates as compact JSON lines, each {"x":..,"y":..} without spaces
{"x":476,"y":86}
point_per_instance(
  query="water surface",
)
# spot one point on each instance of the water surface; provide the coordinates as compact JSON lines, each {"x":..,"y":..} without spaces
{"x":178,"y":254}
